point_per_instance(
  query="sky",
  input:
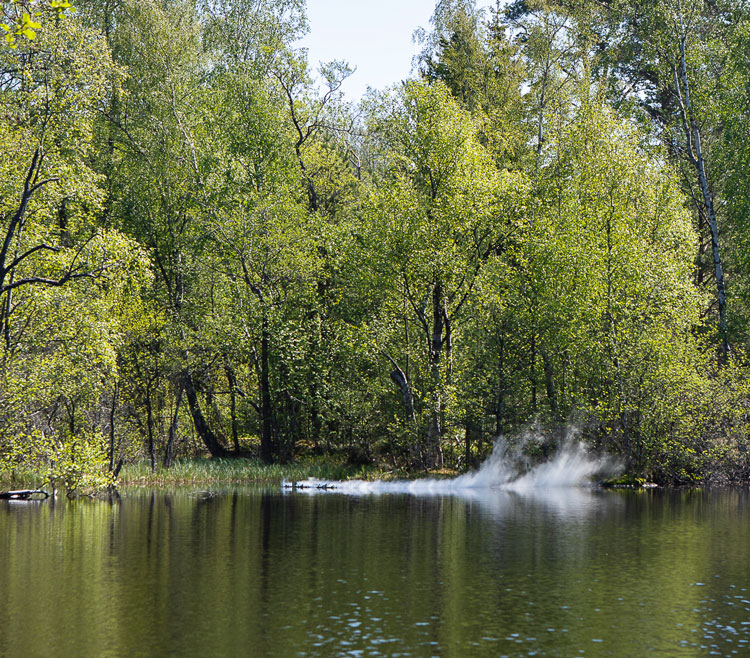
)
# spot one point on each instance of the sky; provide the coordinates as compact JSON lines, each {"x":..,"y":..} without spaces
{"x":375,"y":36}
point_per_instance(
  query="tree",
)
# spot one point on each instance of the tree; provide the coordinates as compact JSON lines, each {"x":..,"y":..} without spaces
{"x":259,"y":220}
{"x":480,"y":65}
{"x":444,"y":210}
{"x":681,"y":53}
{"x":614,"y":319}
{"x":53,"y":88}
{"x":49,"y":192}
{"x":729,"y":109}
{"x":663,"y":62}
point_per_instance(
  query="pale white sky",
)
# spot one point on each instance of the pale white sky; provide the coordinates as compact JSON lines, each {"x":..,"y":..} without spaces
{"x":375,"y":36}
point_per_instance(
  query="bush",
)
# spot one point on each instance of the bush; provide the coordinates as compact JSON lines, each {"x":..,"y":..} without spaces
{"x":76,"y":464}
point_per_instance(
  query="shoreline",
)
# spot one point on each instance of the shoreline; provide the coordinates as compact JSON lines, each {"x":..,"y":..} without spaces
{"x":206,"y":472}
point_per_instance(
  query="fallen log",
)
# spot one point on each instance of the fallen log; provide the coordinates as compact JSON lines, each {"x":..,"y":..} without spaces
{"x":307,"y":484}
{"x":23,"y":494}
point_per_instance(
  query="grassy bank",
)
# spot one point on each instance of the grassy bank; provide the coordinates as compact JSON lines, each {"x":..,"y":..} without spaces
{"x":205,"y":472}
{"x":240,"y":471}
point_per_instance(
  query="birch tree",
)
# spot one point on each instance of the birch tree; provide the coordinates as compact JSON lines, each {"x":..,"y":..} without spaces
{"x":444,"y":210}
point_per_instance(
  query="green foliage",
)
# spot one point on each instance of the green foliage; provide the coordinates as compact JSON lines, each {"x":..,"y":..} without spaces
{"x":75,"y":464}
{"x":20,"y":17}
{"x":627,"y":480}
{"x":438,"y":215}
{"x":733,"y":157}
{"x":24,"y":27}
{"x":201,"y":249}
{"x":240,"y":470}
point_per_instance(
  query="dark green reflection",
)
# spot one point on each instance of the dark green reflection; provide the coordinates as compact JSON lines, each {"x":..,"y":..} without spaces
{"x":257,"y":573}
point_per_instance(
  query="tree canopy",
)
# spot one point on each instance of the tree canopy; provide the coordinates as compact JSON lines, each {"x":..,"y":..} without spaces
{"x":206,"y":249}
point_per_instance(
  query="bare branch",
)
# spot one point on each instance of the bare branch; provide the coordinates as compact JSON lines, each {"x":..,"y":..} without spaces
{"x":17,"y":261}
{"x":68,"y":276}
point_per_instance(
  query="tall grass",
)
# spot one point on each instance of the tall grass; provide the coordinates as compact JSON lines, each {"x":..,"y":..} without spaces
{"x":239,"y":471}
{"x":205,"y":471}
{"x":21,"y":478}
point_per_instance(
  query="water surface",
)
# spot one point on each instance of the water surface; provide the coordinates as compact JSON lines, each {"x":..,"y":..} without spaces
{"x":248,"y":572}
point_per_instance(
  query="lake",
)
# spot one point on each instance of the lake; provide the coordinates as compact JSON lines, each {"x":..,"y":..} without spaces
{"x":558,"y":571}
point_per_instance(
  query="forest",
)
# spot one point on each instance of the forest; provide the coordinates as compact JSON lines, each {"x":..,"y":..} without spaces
{"x":207,"y":250}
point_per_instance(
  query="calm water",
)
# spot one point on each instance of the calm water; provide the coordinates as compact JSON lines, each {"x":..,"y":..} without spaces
{"x":563,"y":572}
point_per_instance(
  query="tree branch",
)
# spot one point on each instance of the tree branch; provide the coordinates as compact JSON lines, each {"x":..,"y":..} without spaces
{"x":17,"y":261}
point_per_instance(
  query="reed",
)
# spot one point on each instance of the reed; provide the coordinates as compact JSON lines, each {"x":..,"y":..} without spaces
{"x":205,"y":471}
{"x":240,"y":471}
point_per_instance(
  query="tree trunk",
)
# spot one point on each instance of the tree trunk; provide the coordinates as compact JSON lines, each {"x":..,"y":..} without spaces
{"x":112,"y":411}
{"x":316,"y":340}
{"x":549,"y":383}
{"x":232,"y":381}
{"x":201,"y":426}
{"x":434,"y":455}
{"x":500,"y":401}
{"x":7,"y":308}
{"x":697,"y":160}
{"x":150,"y":428}
{"x":401,"y":379}
{"x":173,"y":428}
{"x":267,"y":452}
{"x":533,"y":371}
{"x":398,"y":377}
{"x":615,"y":346}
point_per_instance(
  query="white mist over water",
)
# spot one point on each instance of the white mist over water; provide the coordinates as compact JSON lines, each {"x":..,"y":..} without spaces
{"x":505,"y":470}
